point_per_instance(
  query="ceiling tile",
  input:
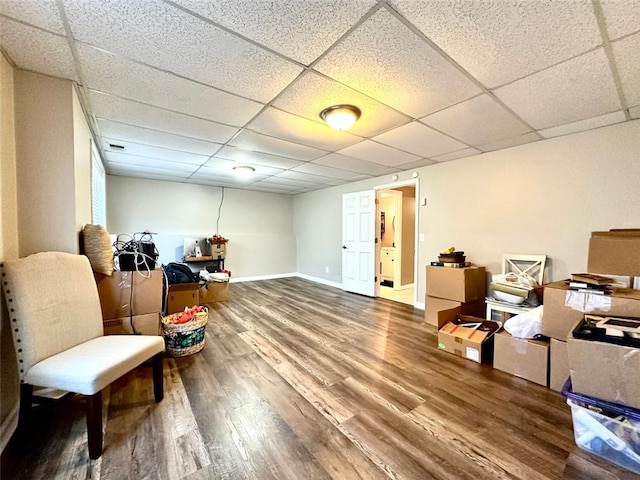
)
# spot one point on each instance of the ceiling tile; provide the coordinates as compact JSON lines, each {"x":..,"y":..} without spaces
{"x":249,"y":157}
{"x":509,"y":142}
{"x":582,"y":125}
{"x":286,"y":182}
{"x":574,"y":90}
{"x":254,"y":141}
{"x":304,"y":177}
{"x":354,"y":164}
{"x":43,"y":13}
{"x":291,"y":28}
{"x":330,"y":172}
{"x":312,"y":93}
{"x":420,"y":140}
{"x":424,"y":162}
{"x":378,"y":153}
{"x":163,"y":36}
{"x":478,"y":120}
{"x":277,"y":123}
{"x":467,"y":152}
{"x":152,"y":152}
{"x":635,"y":112}
{"x":135,"y":159}
{"x":498,"y":42}
{"x":35,"y":50}
{"x":124,"y":78}
{"x":622,"y":17}
{"x":139,"y":114}
{"x":385,"y":60}
{"x":147,"y":174}
{"x":627,"y":56}
{"x":146,"y":136}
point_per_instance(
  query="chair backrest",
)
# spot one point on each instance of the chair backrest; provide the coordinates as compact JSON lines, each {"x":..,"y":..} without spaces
{"x":53,"y":304}
{"x":532,"y":265}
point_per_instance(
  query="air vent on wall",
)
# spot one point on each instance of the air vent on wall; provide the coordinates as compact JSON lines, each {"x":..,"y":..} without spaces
{"x":114,"y":146}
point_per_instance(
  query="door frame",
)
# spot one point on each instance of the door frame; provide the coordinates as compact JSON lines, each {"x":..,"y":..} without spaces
{"x":413,"y":182}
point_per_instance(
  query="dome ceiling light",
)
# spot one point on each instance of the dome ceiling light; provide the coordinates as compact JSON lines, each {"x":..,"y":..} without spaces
{"x":243,"y":170}
{"x":340,"y":117}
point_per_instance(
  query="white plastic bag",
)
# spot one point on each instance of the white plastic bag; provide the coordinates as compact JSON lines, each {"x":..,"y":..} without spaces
{"x":525,"y":325}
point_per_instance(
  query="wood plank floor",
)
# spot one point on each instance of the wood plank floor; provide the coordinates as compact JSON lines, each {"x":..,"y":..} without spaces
{"x":302,"y":381}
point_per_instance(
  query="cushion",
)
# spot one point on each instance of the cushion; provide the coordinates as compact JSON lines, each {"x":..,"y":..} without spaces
{"x":97,"y":247}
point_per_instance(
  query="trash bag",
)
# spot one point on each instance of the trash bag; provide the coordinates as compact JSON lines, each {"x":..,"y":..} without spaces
{"x":525,"y":325}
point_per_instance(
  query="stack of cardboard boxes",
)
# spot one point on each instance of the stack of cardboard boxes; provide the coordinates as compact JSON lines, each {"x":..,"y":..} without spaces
{"x":454,"y":291}
{"x":605,"y":393}
{"x":131,"y":302}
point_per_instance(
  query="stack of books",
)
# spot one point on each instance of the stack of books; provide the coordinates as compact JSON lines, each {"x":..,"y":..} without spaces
{"x":588,"y":282}
{"x":451,"y":259}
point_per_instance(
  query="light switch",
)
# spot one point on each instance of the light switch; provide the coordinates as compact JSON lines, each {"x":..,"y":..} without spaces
{"x":422,"y":237}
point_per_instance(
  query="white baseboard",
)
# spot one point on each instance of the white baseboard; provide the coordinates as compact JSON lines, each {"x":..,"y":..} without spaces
{"x":419,"y":305}
{"x":319,"y":280}
{"x":9,"y":426}
{"x":262,"y":277}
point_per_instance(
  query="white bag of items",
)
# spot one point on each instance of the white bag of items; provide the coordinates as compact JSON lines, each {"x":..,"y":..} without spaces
{"x":525,"y":325}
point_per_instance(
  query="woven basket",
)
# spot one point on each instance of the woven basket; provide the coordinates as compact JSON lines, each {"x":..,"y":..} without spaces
{"x":184,"y":339}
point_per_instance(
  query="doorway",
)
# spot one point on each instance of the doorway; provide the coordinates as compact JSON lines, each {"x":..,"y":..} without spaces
{"x":396,"y":215}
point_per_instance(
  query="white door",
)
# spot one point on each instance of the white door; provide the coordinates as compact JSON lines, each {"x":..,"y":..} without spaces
{"x":358,"y":242}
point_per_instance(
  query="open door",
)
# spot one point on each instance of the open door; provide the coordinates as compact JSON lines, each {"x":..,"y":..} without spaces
{"x":358,"y":242}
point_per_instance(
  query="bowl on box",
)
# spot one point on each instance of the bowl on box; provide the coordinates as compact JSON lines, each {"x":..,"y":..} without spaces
{"x":507,"y":297}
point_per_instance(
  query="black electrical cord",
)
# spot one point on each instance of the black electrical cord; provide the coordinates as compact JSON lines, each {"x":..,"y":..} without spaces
{"x":219,"y":210}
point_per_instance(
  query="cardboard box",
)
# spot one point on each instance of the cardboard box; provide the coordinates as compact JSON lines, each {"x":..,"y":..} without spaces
{"x":438,"y":311}
{"x":214,"y":292}
{"x":470,"y":343}
{"x":148,"y":324}
{"x":606,"y":371}
{"x":564,"y":307}
{"x":116,"y":295}
{"x":219,"y":250}
{"x":461,"y":284}
{"x":528,"y":359}
{"x":558,"y":364}
{"x":182,"y":295}
{"x":616,"y":252}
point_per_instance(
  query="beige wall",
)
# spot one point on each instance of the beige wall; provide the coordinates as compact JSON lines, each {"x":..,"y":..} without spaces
{"x":45,"y":169}
{"x":9,"y":390}
{"x":259,"y":225}
{"x":544,"y":197}
{"x":82,"y":163}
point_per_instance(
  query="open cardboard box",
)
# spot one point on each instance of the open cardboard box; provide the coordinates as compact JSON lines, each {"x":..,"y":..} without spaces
{"x":469,"y":337}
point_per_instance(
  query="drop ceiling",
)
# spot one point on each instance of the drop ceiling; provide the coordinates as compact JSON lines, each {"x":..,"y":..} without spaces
{"x":193,"y":88}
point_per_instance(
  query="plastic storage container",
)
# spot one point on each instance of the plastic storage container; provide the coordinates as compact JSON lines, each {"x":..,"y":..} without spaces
{"x":605,"y":429}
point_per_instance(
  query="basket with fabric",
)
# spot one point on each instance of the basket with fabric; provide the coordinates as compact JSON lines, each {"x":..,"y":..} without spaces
{"x":182,"y":339}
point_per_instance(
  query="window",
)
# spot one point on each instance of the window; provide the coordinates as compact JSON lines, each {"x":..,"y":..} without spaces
{"x":98,"y":189}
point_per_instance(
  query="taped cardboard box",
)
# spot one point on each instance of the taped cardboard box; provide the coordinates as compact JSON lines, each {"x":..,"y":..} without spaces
{"x":558,"y":364}
{"x":616,"y":252}
{"x":438,"y":311}
{"x":606,"y":371}
{"x":460,"y":284}
{"x":564,"y":307}
{"x":469,"y":337}
{"x":214,"y":292}
{"x":182,"y":295}
{"x":528,"y":359}
{"x":118,"y":299}
{"x":148,"y":324}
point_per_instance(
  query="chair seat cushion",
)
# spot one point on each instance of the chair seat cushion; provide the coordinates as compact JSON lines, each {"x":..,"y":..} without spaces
{"x":89,"y":367}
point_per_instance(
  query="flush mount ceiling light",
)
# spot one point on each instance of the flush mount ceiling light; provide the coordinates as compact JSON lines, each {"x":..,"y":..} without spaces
{"x":243,"y":170}
{"x":340,"y":117}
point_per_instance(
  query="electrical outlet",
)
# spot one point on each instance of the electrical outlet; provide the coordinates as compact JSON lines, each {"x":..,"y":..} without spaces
{"x":326,"y":269}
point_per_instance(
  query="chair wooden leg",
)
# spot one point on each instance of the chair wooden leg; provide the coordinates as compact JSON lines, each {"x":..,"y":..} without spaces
{"x":94,"y":425}
{"x":158,"y":377}
{"x":24,"y":415}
